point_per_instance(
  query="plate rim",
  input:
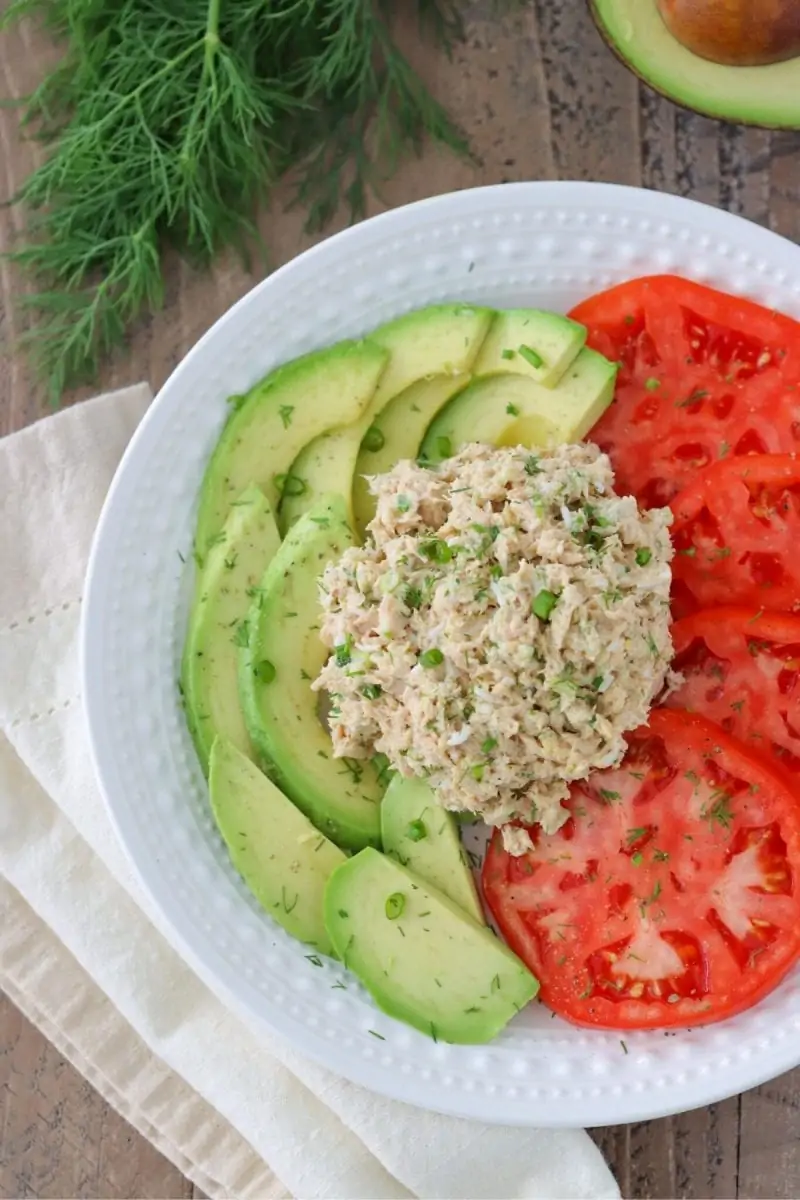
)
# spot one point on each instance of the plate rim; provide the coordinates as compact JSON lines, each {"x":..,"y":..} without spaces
{"x":191,"y":944}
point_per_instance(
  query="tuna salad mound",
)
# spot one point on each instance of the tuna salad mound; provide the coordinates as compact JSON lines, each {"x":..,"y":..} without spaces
{"x":505,"y":624}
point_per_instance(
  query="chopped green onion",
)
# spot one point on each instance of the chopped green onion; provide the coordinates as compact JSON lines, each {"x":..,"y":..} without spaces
{"x":436,"y":550}
{"x":431,"y":658}
{"x":342,"y":651}
{"x":512,"y":410}
{"x":416,"y":831}
{"x":372,"y":691}
{"x":488,"y":745}
{"x":643,"y":556}
{"x":373,"y":440}
{"x":290,"y":485}
{"x":265,"y":671}
{"x":477,"y":771}
{"x":403,"y":504}
{"x":412,"y":597}
{"x":507,"y":354}
{"x":530,"y":356}
{"x":395,"y":905}
{"x":543,"y":604}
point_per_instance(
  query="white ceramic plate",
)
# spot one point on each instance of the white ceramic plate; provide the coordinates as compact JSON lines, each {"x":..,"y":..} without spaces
{"x":545,"y":244}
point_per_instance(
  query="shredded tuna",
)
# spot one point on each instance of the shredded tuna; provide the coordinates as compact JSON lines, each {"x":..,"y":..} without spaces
{"x":503,"y":627}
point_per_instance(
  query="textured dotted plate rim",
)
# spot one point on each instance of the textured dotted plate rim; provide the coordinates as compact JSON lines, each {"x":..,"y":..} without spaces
{"x":543,"y":243}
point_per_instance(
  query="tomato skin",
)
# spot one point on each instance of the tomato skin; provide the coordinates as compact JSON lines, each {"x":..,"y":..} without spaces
{"x":741,"y":668}
{"x":702,"y":375}
{"x":673,"y":899}
{"x":736,"y":529}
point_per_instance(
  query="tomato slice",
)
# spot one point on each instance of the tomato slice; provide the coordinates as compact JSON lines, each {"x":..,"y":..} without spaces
{"x":742,"y":669}
{"x":702,"y":375}
{"x":672,"y":894}
{"x":736,"y":535}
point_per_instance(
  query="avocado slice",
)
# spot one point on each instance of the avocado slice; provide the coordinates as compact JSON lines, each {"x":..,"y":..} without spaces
{"x":282,"y":657}
{"x":442,"y":339}
{"x":528,"y":341}
{"x":397,"y":434}
{"x":510,"y":410}
{"x":423,"y":836}
{"x":234,"y":566}
{"x":761,"y":95}
{"x":269,"y":426}
{"x":282,"y":858}
{"x":421,"y":958}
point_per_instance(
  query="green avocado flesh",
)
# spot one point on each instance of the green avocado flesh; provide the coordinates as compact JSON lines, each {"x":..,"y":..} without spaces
{"x":397,"y":434}
{"x":527,"y":341}
{"x":423,"y":836}
{"x":422,"y":959}
{"x":233,"y":567}
{"x":440,"y":340}
{"x":511,"y":410}
{"x":276,"y":419}
{"x":283,"y":655}
{"x":767,"y":95}
{"x":282,"y":858}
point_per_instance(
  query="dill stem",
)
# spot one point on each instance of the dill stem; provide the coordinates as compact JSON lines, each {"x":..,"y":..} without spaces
{"x":142,"y":87}
{"x":212,"y":30}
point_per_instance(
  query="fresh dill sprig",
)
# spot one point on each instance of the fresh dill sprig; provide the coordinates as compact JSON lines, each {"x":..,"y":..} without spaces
{"x":169,"y":125}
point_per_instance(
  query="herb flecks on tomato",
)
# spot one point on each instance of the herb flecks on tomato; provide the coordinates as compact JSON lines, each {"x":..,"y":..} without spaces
{"x":736,"y":535}
{"x":703,"y":375}
{"x":741,"y":668}
{"x":671,"y":895}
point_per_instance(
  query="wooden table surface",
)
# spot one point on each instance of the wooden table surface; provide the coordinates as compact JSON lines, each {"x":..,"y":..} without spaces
{"x":542,"y":99}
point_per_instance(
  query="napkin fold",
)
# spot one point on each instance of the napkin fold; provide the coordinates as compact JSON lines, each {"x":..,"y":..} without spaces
{"x":88,"y":959}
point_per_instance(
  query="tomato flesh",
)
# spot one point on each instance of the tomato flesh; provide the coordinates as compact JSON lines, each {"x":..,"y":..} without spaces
{"x":736,"y":533}
{"x":741,"y":668}
{"x":671,"y":895}
{"x":703,"y":375}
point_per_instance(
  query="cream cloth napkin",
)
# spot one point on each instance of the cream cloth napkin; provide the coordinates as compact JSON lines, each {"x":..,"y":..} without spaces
{"x":85,"y":956}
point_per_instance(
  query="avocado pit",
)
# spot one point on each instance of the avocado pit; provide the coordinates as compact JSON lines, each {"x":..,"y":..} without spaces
{"x":735,"y":32}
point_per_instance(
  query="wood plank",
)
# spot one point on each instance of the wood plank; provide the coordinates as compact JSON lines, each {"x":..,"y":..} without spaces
{"x":58,"y":1137}
{"x":769,"y":1154}
{"x":693,"y":1155}
{"x":593,"y":99}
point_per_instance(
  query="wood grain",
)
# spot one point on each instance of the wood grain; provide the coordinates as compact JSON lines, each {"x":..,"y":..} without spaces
{"x":59,"y":1138}
{"x":540,"y":98}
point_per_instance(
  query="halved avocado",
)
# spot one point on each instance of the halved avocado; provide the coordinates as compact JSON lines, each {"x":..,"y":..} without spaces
{"x":765,"y":95}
